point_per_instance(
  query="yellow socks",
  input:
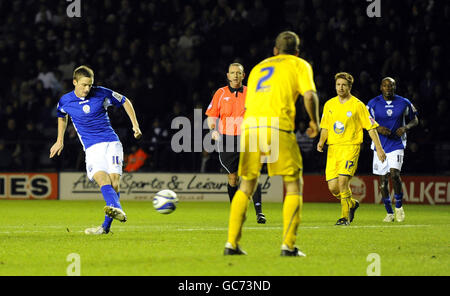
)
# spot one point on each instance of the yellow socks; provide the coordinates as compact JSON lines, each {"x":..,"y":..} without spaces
{"x":347,"y":202}
{"x":292,"y":208}
{"x":238,"y":212}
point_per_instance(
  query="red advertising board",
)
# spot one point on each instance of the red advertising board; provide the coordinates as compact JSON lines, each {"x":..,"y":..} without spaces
{"x":28,"y":185}
{"x":416,"y":190}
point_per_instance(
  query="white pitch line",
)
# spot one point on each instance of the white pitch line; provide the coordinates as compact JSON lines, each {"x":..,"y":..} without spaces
{"x":74,"y":229}
{"x":306,"y":227}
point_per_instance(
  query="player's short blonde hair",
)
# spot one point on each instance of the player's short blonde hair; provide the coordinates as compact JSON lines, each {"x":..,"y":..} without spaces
{"x":345,"y":76}
{"x":287,"y":42}
{"x":83,"y":71}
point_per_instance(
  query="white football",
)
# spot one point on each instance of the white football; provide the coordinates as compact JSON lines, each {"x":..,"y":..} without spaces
{"x":165,"y":201}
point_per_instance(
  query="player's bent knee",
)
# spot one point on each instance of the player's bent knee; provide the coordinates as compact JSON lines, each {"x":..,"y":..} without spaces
{"x":333,"y":186}
{"x":248,"y":186}
{"x":102,"y":178}
{"x":293,"y":187}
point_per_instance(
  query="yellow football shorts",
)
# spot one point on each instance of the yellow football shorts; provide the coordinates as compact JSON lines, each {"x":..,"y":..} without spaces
{"x":342,"y":160}
{"x":279,"y":149}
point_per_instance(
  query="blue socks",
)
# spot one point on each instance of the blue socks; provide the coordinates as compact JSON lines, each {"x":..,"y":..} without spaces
{"x":111,"y":198}
{"x":398,"y":200}
{"x":388,"y":205}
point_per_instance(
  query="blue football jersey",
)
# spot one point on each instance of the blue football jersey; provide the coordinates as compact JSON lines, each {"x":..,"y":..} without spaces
{"x":89,"y":115}
{"x":393,"y":115}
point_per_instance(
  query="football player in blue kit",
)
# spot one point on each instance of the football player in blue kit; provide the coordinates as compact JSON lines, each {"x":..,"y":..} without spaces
{"x":396,"y":116}
{"x":87,"y":107}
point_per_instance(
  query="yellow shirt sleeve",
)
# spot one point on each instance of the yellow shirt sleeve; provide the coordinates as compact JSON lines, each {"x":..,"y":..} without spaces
{"x":306,"y":79}
{"x":325,"y":120}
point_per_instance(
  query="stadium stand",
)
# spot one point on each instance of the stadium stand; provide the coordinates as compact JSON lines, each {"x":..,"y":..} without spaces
{"x":168,"y":56}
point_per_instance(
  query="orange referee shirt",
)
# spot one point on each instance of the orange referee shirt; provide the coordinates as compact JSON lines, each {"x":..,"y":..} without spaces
{"x":228,"y":104}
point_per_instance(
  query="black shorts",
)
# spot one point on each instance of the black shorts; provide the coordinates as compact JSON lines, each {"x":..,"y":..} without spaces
{"x":229,"y":149}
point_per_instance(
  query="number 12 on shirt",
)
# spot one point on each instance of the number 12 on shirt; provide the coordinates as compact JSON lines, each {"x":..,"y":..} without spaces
{"x":262,"y":82}
{"x":349,"y":164}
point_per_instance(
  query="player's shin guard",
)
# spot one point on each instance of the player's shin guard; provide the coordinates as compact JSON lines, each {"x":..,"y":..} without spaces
{"x":292,"y":208}
{"x":398,"y":200}
{"x":238,"y":211}
{"x":388,"y":205}
{"x":257,"y":199}
{"x":347,"y":202}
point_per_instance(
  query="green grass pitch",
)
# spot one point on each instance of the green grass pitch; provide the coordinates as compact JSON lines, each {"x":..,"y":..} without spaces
{"x":36,"y":238}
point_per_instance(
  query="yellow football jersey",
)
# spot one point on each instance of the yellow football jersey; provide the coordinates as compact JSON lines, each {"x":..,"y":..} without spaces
{"x":272,"y":90}
{"x":345,"y":122}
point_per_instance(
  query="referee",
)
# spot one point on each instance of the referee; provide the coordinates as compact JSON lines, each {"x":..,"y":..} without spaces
{"x":228,"y":107}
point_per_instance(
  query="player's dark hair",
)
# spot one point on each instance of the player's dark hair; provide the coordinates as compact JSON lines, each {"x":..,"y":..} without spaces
{"x":287,"y":42}
{"x":390,"y":79}
{"x":83,"y":71}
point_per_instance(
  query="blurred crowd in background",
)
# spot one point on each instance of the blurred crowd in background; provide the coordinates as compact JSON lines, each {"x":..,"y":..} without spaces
{"x":170,"y":56}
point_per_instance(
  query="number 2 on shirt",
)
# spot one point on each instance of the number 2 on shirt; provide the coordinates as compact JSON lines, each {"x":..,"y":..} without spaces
{"x":261,"y":86}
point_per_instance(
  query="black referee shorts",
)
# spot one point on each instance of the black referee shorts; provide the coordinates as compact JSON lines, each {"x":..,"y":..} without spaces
{"x":229,"y":149}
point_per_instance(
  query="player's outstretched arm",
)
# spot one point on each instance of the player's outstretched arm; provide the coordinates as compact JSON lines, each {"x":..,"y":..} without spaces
{"x":376,"y":140}
{"x":132,"y":115}
{"x":57,"y":148}
{"x":311,"y":102}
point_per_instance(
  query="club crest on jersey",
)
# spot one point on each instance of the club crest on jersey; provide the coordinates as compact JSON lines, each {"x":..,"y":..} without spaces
{"x":338,"y":127}
{"x":349,"y":114}
{"x":389,"y":112}
{"x":86,"y":109}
